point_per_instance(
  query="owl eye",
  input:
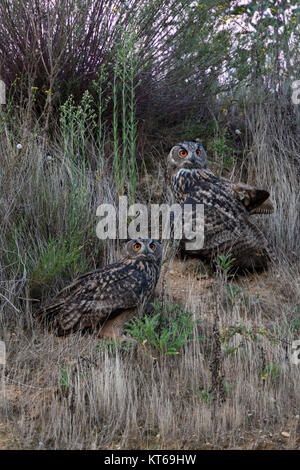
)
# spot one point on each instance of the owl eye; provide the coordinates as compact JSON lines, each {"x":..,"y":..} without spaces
{"x":152,"y":246}
{"x":198,"y":153}
{"x":137,"y":246}
{"x":183,"y":153}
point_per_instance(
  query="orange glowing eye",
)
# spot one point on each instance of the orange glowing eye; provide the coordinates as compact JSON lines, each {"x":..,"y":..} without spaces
{"x":137,"y":246}
{"x":183,"y":153}
{"x":152,"y":246}
{"x":198,"y":153}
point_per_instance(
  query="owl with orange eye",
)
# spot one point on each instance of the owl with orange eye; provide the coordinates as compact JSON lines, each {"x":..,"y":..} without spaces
{"x":228,"y":207}
{"x":103,"y":300}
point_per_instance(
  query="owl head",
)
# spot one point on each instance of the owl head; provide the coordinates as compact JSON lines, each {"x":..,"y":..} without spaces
{"x":187,"y":155}
{"x":144,"y":249}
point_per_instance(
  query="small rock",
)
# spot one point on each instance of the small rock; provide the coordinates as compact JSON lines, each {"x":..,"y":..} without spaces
{"x":285,"y":434}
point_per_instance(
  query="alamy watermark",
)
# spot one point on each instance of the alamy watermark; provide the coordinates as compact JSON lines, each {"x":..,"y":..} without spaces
{"x":163,"y":221}
{"x":295,"y":355}
{"x":2,"y":92}
{"x":296,"y":92}
{"x":2,"y":354}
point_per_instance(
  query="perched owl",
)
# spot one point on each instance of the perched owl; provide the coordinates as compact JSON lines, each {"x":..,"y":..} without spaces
{"x":108,"y":297}
{"x":227,"y":207}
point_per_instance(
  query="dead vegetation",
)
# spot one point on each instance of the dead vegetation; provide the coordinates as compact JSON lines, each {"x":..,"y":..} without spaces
{"x":240,"y":393}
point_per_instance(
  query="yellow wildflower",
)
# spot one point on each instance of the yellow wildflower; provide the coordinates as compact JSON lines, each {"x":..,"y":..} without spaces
{"x":48,"y":91}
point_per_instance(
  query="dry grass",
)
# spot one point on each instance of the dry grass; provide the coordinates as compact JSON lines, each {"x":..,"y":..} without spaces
{"x":73,"y":394}
{"x":109,"y":402}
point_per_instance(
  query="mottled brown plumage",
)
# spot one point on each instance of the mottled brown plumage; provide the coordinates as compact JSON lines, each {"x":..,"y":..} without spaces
{"x":104,"y":299}
{"x":228,"y":207}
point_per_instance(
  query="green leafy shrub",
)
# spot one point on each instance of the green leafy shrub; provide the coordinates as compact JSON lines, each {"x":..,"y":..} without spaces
{"x":271,"y":372}
{"x":223,"y":152}
{"x":224,"y":264}
{"x":64,"y":377}
{"x":167,"y":332}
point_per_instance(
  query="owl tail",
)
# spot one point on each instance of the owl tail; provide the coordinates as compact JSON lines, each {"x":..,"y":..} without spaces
{"x":48,"y":316}
{"x":56,"y":319}
{"x":265,"y":208}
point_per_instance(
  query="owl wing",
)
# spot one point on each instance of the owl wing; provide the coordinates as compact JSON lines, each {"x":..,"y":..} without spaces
{"x":224,"y":213}
{"x":222,"y":224}
{"x":227,"y":227}
{"x":94,"y":296}
{"x":255,"y":200}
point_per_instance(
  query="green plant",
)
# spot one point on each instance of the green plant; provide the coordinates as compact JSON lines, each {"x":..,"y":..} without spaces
{"x":166,"y":332}
{"x":229,"y":387}
{"x":77,"y":124}
{"x":127,"y":65}
{"x":224,"y":154}
{"x":224,"y":264}
{"x":101,"y":85}
{"x":54,"y":259}
{"x":232,"y":293}
{"x":203,"y":394}
{"x":271,"y":372}
{"x":294,"y":325}
{"x":64,"y":378}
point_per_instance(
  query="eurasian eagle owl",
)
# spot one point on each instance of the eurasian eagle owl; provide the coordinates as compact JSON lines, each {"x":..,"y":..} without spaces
{"x":228,"y":207}
{"x":108,"y":297}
